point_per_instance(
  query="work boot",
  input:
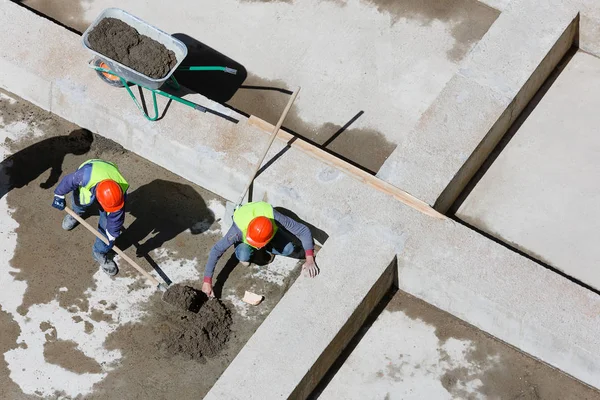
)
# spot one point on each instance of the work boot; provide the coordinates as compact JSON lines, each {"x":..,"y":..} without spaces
{"x":69,"y":223}
{"x":107,"y":265}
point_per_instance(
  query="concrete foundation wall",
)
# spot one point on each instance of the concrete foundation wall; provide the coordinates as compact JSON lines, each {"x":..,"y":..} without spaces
{"x":589,"y":40}
{"x":476,"y":108}
{"x":439,"y":261}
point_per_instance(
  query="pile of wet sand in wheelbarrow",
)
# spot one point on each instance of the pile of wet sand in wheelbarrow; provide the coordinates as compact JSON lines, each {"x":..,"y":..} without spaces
{"x":122,"y":43}
{"x":197,"y":327}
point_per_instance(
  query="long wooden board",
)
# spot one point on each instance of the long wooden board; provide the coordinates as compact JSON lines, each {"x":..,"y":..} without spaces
{"x":348,"y":169}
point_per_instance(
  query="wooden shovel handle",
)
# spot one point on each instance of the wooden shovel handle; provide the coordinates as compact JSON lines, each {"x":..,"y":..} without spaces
{"x":115,"y":248}
{"x":271,"y":140}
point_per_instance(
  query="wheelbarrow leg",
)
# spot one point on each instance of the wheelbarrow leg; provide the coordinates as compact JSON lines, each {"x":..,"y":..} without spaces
{"x":139,"y":105}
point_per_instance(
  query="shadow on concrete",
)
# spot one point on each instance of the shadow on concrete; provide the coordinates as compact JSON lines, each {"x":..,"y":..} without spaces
{"x":318,"y":234}
{"x":26,"y":165}
{"x":163,"y":209}
{"x":216,"y":85}
{"x":223,"y":275}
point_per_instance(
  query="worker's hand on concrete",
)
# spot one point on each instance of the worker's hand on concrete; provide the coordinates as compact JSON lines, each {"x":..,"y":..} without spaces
{"x":310,"y":267}
{"x":59,"y":202}
{"x":208,"y":290}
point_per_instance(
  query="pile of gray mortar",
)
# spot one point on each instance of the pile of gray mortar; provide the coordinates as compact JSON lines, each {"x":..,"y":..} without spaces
{"x":198,"y":327}
{"x":119,"y":41}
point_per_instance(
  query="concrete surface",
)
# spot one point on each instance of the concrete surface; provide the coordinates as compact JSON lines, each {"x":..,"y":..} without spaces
{"x":415,"y":351}
{"x":540,"y":194}
{"x":66,"y":329}
{"x":590,"y":28}
{"x":440,"y":262}
{"x":337,"y":51}
{"x":480,"y":103}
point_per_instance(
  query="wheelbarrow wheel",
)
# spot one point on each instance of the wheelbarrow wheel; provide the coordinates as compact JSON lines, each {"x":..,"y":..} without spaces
{"x":112,"y":80}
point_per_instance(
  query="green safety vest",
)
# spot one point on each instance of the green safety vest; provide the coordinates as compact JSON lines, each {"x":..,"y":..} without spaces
{"x":246,"y":213}
{"x":101,"y":170}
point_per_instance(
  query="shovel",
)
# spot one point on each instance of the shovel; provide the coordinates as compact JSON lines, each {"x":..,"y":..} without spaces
{"x":231,"y":207}
{"x":160,"y":286}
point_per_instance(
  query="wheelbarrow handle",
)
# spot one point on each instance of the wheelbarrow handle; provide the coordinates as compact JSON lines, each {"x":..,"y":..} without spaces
{"x":208,"y":68}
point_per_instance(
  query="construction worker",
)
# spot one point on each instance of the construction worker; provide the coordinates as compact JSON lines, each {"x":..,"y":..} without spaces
{"x":96,"y":180}
{"x":258,"y":226}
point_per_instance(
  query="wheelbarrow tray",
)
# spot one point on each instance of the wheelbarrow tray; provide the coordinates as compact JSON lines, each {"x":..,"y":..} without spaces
{"x":143,"y":28}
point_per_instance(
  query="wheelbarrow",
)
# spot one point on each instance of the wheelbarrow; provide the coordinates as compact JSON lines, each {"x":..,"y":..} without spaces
{"x":119,"y":75}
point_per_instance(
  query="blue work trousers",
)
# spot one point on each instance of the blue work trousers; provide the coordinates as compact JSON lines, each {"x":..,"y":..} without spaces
{"x":99,"y":246}
{"x":281,"y":245}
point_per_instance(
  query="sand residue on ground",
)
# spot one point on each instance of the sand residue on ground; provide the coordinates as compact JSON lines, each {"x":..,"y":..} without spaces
{"x":164,"y":212}
{"x":66,"y":354}
{"x":184,"y":297}
{"x":198,"y":335}
{"x":514,"y":375}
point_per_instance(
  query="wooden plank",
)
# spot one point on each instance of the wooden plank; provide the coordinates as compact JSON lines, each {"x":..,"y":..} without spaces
{"x":348,"y":169}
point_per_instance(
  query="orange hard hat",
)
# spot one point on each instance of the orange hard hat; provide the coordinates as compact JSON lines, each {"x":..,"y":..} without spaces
{"x":260,"y":232}
{"x":110,"y":195}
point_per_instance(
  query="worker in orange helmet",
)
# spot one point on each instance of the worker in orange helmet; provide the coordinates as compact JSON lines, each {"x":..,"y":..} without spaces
{"x":96,"y":180}
{"x":258,"y":226}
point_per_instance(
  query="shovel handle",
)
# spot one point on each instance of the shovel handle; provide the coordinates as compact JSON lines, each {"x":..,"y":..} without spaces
{"x":115,"y":248}
{"x":271,"y":140}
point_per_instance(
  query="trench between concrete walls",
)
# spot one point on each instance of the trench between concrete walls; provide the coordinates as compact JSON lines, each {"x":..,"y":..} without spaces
{"x":501,"y":133}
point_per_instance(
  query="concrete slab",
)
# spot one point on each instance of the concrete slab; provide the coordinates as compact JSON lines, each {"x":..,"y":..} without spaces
{"x":415,"y":351}
{"x":540,"y":194}
{"x":504,"y":71}
{"x":66,"y":329}
{"x":441,"y":262}
{"x":338,"y":52}
{"x":590,"y":32}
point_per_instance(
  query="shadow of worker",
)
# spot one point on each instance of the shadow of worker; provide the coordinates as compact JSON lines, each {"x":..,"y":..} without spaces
{"x":26,"y":165}
{"x":163,"y":210}
{"x":216,"y":85}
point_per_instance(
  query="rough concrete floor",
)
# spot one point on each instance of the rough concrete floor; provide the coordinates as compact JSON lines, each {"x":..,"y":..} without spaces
{"x":548,"y":209}
{"x":368,"y":68}
{"x":69,"y":331}
{"x":416,"y":351}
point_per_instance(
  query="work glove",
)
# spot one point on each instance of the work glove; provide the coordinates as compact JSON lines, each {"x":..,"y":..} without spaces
{"x":59,"y":202}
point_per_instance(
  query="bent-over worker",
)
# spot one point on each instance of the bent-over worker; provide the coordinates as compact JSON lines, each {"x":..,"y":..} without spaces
{"x":96,"y":180}
{"x":255,"y":226}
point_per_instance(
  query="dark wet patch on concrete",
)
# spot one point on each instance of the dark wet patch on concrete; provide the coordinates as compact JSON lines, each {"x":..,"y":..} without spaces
{"x":503,"y":371}
{"x":470,"y":19}
{"x":50,"y":331}
{"x":99,"y":316}
{"x":88,"y":327}
{"x":9,"y":332}
{"x":66,"y":354}
{"x":266,"y":100}
{"x":70,"y":13}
